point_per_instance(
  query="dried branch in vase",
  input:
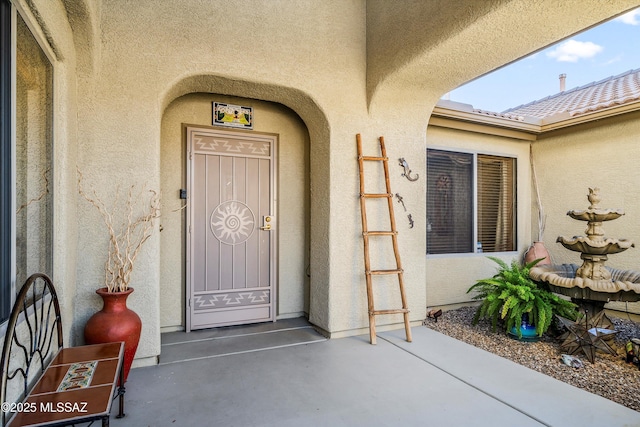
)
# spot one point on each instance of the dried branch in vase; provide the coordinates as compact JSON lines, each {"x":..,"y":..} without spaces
{"x":542,"y":218}
{"x":138,"y":215}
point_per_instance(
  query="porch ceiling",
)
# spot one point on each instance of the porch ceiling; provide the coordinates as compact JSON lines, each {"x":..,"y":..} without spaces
{"x":425,"y":49}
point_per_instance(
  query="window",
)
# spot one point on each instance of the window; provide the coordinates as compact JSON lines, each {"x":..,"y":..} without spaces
{"x":5,"y":159}
{"x":33,"y":171}
{"x":26,"y":200}
{"x":471,"y":203}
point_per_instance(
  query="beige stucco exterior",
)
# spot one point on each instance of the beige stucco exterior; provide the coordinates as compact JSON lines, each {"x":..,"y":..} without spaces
{"x":579,"y":152}
{"x":129,"y":73}
{"x":293,"y":202}
{"x":599,"y":154}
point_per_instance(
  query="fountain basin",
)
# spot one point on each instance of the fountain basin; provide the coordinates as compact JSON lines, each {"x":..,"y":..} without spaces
{"x":595,"y":247}
{"x":596,"y":215}
{"x":624,"y":284}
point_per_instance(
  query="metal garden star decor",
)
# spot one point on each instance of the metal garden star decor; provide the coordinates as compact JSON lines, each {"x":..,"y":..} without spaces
{"x":587,"y":334}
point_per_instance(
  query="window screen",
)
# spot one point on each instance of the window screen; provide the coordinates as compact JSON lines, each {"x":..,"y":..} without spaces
{"x":34,"y":154}
{"x":466,"y":187}
{"x":449,"y":202}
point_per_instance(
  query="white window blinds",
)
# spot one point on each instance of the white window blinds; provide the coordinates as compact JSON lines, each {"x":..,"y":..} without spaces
{"x":496,"y":203}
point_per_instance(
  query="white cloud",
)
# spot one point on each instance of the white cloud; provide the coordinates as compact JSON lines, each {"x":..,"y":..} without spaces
{"x":573,"y":50}
{"x":631,"y":18}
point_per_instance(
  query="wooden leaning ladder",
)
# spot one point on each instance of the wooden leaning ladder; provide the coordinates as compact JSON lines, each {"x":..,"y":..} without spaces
{"x":394,"y":238}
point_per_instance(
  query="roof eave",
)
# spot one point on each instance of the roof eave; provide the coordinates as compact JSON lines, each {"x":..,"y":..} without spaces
{"x":564,"y":120}
{"x":530,"y":125}
{"x":455,"y":111}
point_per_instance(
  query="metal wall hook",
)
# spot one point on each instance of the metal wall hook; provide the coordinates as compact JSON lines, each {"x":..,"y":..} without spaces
{"x":407,"y":170}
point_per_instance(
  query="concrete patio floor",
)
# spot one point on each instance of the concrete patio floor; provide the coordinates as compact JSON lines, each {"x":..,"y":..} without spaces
{"x":264,"y":378}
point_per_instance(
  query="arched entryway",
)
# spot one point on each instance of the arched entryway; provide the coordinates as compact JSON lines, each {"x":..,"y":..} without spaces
{"x":293,"y":202}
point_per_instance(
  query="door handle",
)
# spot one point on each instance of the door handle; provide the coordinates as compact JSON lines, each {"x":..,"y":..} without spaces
{"x":266,"y":223}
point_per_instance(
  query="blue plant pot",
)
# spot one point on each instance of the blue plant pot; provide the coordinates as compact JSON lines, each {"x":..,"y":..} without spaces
{"x":528,"y":331}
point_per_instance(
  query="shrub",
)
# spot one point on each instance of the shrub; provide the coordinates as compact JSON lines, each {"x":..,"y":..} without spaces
{"x":511,"y":293}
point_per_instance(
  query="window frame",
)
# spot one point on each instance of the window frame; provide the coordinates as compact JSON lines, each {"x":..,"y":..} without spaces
{"x":6,"y":160}
{"x":514,"y":200}
{"x":9,"y":12}
{"x":475,"y":225}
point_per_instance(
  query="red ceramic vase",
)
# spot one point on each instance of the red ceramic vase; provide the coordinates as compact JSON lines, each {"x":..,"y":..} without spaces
{"x":114,"y":323}
{"x":536,"y":251}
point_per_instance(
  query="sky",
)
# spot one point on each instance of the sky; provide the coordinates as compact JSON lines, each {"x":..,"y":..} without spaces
{"x":609,"y":49}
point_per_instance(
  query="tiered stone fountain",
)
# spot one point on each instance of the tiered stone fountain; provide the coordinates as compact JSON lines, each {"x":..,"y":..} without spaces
{"x":592,"y":284}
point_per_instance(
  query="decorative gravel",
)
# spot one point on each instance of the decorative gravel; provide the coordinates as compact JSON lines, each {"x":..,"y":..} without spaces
{"x":610,"y":376}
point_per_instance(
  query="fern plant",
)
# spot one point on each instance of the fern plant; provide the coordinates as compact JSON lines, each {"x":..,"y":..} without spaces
{"x":511,"y":294}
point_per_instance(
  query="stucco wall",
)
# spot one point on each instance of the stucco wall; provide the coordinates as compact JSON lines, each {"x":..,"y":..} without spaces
{"x":447,"y":281}
{"x":600,"y":154}
{"x":348,"y":297}
{"x":153,"y":48}
{"x":292,"y":206}
{"x":313,"y":58}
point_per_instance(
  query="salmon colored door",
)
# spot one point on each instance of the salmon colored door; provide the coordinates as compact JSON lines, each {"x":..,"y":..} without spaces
{"x":230,"y":230}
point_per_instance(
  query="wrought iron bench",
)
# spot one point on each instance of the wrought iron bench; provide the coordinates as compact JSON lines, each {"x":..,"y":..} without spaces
{"x":44,"y":384}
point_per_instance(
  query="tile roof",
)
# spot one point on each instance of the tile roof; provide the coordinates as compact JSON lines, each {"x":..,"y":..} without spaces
{"x":610,"y":92}
{"x":504,"y":115}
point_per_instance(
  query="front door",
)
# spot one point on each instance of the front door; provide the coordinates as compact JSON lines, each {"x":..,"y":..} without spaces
{"x":230,"y":237}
